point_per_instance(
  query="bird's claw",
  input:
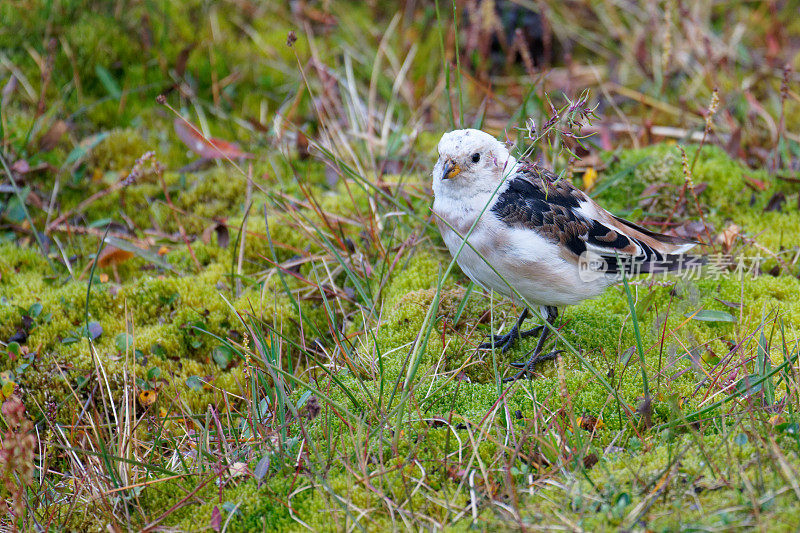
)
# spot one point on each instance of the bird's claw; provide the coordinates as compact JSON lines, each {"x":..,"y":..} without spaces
{"x":507,"y":341}
{"x":530,"y":363}
{"x":527,"y":366}
{"x":500,"y":341}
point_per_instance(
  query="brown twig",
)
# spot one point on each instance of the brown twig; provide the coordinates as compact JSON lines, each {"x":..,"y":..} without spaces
{"x":136,"y":172}
{"x":689,"y":169}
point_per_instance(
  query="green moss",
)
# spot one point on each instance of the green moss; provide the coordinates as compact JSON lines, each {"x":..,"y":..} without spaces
{"x":724,"y":191}
{"x":118,"y":152}
{"x":419,"y":272}
{"x":626,"y":478}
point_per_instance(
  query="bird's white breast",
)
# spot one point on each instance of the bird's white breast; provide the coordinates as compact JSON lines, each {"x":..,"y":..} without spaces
{"x":522,"y":258}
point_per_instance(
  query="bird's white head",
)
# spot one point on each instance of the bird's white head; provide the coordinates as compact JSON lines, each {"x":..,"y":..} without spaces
{"x":471,"y":163}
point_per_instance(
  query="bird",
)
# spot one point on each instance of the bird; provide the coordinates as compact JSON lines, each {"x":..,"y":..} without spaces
{"x":515,"y":228}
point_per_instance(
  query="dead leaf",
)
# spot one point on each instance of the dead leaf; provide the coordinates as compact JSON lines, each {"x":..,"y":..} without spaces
{"x":776,"y":202}
{"x":261,"y":469}
{"x":590,"y":460}
{"x":50,"y":139}
{"x":734,"y":305}
{"x":651,"y":190}
{"x":302,"y":146}
{"x":257,"y":125}
{"x":754,"y":183}
{"x":703,"y":484}
{"x":312,"y":407}
{"x":216,"y":519}
{"x":237,"y":469}
{"x":21,"y":166}
{"x":700,"y":187}
{"x":147,"y":398}
{"x":210,"y":148}
{"x":645,"y":409}
{"x":728,"y":237}
{"x":776,"y":419}
{"x":111,"y":255}
{"x":734,"y":145}
{"x":331,"y":176}
{"x":692,"y":229}
{"x":223,"y":236}
{"x":590,"y":423}
{"x":8,"y":89}
{"x":183,"y":57}
{"x":589,"y":179}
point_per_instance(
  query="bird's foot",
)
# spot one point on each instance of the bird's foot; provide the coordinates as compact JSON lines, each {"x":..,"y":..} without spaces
{"x":505,"y":342}
{"x":527,"y":366}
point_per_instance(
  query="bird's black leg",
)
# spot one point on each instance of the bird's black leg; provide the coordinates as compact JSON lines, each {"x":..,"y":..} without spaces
{"x":537,"y":356}
{"x":507,"y":341}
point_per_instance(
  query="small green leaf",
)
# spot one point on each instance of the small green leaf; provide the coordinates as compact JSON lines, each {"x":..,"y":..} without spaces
{"x":625,"y":357}
{"x":792,"y":428}
{"x":169,"y":300}
{"x":123,"y":341}
{"x":710,"y":315}
{"x":15,"y":209}
{"x":101,"y":223}
{"x":35,"y":310}
{"x":153,"y":373}
{"x":222,"y":356}
{"x":230,"y":507}
{"x":108,"y":81}
{"x":747,"y":385}
{"x":84,"y":147}
{"x":263,"y":408}
{"x":13,"y":347}
{"x":194,"y":383}
{"x":8,"y":388}
{"x":303,"y":399}
{"x":158,"y":350}
{"x":622,"y":500}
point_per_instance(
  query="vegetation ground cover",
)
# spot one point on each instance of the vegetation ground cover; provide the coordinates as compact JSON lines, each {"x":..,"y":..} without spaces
{"x":224,"y":303}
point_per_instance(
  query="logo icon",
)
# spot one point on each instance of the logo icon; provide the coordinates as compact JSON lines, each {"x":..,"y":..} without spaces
{"x":591,"y":266}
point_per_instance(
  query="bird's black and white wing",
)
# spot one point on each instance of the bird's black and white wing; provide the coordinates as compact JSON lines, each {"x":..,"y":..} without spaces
{"x":558,"y":211}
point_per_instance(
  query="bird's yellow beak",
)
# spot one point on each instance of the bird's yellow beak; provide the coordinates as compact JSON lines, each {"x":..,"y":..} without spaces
{"x":450,"y":170}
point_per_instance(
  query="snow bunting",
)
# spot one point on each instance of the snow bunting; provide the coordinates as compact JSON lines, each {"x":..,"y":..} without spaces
{"x":531,"y":235}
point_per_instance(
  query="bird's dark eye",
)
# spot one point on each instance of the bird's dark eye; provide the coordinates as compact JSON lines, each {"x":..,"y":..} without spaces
{"x":476,"y":157}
